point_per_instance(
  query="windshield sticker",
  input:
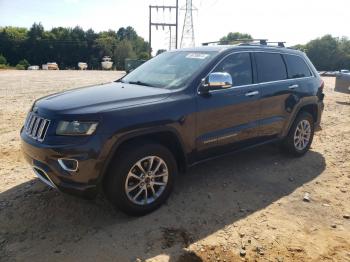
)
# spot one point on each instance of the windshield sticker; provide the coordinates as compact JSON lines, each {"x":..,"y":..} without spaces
{"x":197,"y":56}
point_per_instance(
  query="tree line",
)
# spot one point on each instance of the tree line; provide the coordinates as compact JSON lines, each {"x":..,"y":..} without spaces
{"x":68,"y":46}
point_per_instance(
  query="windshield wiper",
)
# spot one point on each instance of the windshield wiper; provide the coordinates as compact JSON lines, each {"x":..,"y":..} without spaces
{"x":140,"y":83}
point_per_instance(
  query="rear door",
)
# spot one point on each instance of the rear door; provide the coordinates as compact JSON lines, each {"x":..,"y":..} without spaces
{"x":228,"y":116}
{"x":276,"y":91}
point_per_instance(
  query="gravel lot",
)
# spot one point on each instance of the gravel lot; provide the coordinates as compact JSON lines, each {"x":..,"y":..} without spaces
{"x":248,"y":206}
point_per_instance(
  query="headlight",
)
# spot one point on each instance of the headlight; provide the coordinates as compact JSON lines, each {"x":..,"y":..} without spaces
{"x":76,"y":128}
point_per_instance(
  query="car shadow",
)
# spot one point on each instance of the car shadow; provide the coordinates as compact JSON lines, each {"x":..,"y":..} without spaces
{"x":41,"y":224}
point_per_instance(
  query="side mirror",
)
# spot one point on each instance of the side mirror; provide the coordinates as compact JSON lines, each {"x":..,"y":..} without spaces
{"x":217,"y":80}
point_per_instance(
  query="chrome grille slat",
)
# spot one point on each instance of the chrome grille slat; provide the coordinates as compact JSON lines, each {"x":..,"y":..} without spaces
{"x":45,"y":127}
{"x":36,"y":127}
{"x":41,"y":128}
{"x":31,"y":124}
{"x":29,"y":118}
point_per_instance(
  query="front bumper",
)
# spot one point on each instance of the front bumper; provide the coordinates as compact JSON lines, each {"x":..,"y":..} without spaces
{"x":44,"y":160}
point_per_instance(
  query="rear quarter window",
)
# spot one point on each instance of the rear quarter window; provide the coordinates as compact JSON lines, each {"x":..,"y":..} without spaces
{"x":270,"y":67}
{"x":296,"y":67}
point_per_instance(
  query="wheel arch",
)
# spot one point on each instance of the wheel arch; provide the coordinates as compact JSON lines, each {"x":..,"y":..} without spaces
{"x":310,"y":107}
{"x":167,"y":137}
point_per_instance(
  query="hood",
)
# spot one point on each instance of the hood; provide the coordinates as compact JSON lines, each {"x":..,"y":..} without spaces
{"x":105,"y":97}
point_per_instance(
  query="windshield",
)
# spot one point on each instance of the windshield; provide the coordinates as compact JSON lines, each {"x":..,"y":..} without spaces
{"x":169,"y":70}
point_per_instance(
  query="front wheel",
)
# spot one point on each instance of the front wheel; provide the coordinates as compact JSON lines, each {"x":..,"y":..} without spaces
{"x":140,"y":178}
{"x":300,"y":136}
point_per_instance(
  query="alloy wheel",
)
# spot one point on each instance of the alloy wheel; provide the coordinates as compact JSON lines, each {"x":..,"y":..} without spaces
{"x":302,"y":135}
{"x":146,"y":180}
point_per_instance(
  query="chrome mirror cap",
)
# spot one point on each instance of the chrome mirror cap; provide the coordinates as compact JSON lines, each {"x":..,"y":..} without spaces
{"x":219,"y":80}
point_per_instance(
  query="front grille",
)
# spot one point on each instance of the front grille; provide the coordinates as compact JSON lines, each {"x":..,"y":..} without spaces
{"x":36,"y":127}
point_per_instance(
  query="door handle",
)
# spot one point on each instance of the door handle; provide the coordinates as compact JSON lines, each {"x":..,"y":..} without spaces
{"x":253,"y":93}
{"x":293,"y":86}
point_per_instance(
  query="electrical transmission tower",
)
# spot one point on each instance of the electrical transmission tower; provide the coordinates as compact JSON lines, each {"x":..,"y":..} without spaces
{"x":187,"y":38}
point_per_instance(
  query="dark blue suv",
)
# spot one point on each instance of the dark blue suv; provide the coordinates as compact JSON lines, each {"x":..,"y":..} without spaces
{"x":129,"y":138}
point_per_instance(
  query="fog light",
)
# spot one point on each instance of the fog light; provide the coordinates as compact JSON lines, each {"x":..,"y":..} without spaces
{"x":70,"y":165}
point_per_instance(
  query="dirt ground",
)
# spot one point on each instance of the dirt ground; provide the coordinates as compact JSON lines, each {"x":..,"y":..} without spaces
{"x":246,"y":207}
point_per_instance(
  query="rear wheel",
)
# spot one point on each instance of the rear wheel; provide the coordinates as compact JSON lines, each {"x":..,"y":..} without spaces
{"x":140,"y":178}
{"x":300,"y":135}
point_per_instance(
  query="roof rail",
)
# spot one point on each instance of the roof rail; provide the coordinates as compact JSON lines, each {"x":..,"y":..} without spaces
{"x":280,"y":44}
{"x":246,"y":42}
{"x":236,"y":41}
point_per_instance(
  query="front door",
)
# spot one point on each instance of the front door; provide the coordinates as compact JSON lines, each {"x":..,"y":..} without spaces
{"x":228,"y":117}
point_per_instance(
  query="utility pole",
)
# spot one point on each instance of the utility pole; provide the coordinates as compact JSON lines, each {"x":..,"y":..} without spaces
{"x":164,"y":24}
{"x":187,"y":38}
{"x":170,"y":35}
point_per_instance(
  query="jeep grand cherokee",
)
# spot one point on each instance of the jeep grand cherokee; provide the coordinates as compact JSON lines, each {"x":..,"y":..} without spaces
{"x":129,"y":138}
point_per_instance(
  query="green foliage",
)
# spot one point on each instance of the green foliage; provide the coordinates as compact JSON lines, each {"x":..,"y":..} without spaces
{"x":3,"y":66}
{"x":20,"y":67}
{"x":127,"y":34}
{"x":122,"y":51}
{"x":329,"y":53}
{"x":143,"y":56}
{"x":68,"y":46}
{"x":3,"y":60}
{"x":231,"y":37}
{"x":24,"y":63}
{"x":301,"y":48}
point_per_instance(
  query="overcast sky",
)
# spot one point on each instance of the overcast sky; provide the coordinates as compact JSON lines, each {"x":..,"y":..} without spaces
{"x":293,"y":21}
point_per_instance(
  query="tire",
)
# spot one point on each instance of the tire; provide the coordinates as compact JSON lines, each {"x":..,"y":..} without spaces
{"x":290,"y":144}
{"x":120,"y":178}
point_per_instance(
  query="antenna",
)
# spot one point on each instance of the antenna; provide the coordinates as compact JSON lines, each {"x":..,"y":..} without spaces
{"x":187,"y":38}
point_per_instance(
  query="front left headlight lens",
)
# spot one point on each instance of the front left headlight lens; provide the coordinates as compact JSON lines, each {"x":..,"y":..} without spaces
{"x":76,"y":128}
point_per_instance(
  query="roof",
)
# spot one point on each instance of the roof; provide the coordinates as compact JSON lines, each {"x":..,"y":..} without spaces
{"x":250,"y":47}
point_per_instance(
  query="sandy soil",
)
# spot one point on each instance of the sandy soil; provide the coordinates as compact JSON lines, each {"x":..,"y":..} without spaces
{"x":248,"y":206}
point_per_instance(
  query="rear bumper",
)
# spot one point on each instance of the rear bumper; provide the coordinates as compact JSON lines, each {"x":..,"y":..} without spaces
{"x":44,"y":161}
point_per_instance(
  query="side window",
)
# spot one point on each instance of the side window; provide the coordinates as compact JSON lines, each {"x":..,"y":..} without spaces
{"x":270,"y":67}
{"x":296,"y":67}
{"x":239,"y":66}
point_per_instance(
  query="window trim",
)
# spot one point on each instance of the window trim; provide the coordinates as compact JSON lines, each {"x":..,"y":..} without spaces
{"x":256,"y":84}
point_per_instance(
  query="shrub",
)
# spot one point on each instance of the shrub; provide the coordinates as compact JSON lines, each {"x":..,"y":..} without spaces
{"x":23,"y":63}
{"x":143,"y":56}
{"x":20,"y":67}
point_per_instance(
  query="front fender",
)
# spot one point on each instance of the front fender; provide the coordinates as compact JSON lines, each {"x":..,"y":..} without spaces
{"x":115,"y":141}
